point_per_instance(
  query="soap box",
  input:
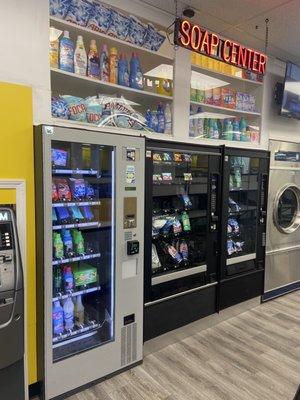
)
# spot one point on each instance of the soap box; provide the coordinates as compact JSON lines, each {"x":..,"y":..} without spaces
{"x":99,"y":18}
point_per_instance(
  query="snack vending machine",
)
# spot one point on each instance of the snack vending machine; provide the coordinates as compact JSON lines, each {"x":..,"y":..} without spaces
{"x":245,"y":194}
{"x":182,"y":225}
{"x":90,"y":202}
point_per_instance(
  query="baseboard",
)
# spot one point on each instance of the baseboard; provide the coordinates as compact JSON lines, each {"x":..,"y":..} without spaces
{"x":281,"y":291}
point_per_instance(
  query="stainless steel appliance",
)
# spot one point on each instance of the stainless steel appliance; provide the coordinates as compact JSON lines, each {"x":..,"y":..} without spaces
{"x":90,"y":204}
{"x":11,"y":310}
{"x":282,"y":272}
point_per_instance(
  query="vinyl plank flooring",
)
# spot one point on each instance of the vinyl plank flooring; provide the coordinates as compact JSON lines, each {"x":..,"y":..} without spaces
{"x":252,"y":356}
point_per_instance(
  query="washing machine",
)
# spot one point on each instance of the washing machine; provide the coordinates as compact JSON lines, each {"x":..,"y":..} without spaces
{"x":282,"y":271}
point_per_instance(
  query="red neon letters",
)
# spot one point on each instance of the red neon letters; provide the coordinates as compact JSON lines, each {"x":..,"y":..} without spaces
{"x":210,"y":44}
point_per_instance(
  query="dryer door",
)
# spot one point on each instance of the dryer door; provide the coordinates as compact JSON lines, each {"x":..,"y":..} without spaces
{"x":287,"y":209}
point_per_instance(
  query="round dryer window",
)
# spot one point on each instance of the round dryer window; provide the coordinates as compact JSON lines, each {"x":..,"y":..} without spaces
{"x":286,"y":211}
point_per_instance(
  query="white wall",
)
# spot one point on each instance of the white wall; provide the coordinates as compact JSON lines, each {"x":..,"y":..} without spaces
{"x":24,"y":36}
{"x":276,"y":126}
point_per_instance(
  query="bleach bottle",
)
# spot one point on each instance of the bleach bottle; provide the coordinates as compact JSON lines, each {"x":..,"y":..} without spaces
{"x":104,"y":64}
{"x":160,"y":119}
{"x":66,"y":53}
{"x":123,"y":72}
{"x":57,"y":318}
{"x":136,"y":75}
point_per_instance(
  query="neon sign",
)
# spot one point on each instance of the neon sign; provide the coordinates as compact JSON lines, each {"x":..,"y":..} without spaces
{"x":200,"y":40}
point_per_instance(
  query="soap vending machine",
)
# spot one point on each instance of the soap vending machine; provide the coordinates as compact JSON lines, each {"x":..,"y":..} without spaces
{"x":90,"y":205}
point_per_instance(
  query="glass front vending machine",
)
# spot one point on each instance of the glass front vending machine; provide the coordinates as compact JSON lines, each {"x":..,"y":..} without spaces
{"x":90,"y":213}
{"x":245,"y":193}
{"x":181,"y":234}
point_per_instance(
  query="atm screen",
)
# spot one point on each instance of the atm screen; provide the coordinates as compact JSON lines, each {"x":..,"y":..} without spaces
{"x":5,"y":237}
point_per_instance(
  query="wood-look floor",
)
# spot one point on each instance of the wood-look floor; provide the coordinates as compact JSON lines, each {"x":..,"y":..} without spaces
{"x":254,"y":356}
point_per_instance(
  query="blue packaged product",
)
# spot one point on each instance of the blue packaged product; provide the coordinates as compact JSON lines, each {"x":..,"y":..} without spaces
{"x":239,"y":246}
{"x":76,"y":213}
{"x":123,"y":71}
{"x":136,"y":74}
{"x":79,"y":12}
{"x":59,"y":108}
{"x":148,"y":117}
{"x":68,"y":242}
{"x":87,"y":212}
{"x":186,"y":201}
{"x":93,"y":110}
{"x":137,"y":32}
{"x":57,"y":318}
{"x":230,"y":247}
{"x":62,"y":214}
{"x":59,"y":8}
{"x":153,"y":38}
{"x":77,"y":188}
{"x":119,"y":25}
{"x":160,"y":119}
{"x":234,"y":225}
{"x":89,"y":190}
{"x":99,"y":18}
{"x":154,"y":121}
{"x":77,"y":108}
{"x":54,"y":216}
{"x":59,"y":157}
{"x":66,"y":53}
{"x":233,"y":206}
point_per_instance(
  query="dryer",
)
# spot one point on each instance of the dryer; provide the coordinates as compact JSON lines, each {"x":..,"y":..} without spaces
{"x":282,"y":271}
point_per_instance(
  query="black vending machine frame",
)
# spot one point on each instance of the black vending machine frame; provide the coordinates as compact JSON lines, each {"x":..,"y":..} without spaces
{"x":248,"y":281}
{"x":197,"y":297}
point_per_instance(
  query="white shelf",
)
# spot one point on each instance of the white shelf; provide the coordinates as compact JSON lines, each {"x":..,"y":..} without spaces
{"x":75,"y":334}
{"x":233,"y":77}
{"x":57,"y":171}
{"x":75,"y":29}
{"x":107,"y":87}
{"x":77,"y":204}
{"x":79,"y":225}
{"x":76,"y":259}
{"x":228,"y":110}
{"x":61,"y":296}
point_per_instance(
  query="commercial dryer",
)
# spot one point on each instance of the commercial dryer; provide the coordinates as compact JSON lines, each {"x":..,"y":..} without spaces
{"x":282,"y":272}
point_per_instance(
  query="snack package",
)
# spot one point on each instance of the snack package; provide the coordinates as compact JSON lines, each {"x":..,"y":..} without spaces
{"x":187,"y":157}
{"x":76,"y":213}
{"x":166,"y":156}
{"x":54,"y":193}
{"x":157,"y":177}
{"x":252,"y":105}
{"x":184,"y":250}
{"x":63,"y":189}
{"x":59,"y":108}
{"x":99,"y":18}
{"x":167,"y":226}
{"x":246,"y":102}
{"x":78,"y":188}
{"x":228,"y":98}
{"x":234,"y":225}
{"x":119,"y":25}
{"x":54,"y":215}
{"x":87,"y":213}
{"x":79,"y":12}
{"x":137,"y":32}
{"x":153,"y":38}
{"x":239,"y":101}
{"x":59,"y":157}
{"x":62,"y":214}
{"x":239,"y":246}
{"x":158,"y":223}
{"x":187,"y":176}
{"x":229,"y":228}
{"x":76,"y":106}
{"x":186,"y":201}
{"x":155,"y":259}
{"x":157,"y":157}
{"x":89,"y":191}
{"x":200,"y":96}
{"x":208,"y":96}
{"x":59,"y":8}
{"x":167,"y":176}
{"x":177,"y":227}
{"x":177,"y":157}
{"x":216,"y":94}
{"x":230,"y":247}
{"x":93,"y":110}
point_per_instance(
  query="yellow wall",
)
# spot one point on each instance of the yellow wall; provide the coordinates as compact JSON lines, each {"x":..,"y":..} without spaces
{"x":16,"y":161}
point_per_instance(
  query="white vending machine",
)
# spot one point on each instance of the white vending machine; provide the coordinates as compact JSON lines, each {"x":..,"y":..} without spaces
{"x":90,"y":230}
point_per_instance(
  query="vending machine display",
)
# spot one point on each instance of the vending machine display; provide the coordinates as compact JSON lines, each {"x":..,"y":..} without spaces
{"x":85,"y":186}
{"x":182,"y":225}
{"x":245,"y":184}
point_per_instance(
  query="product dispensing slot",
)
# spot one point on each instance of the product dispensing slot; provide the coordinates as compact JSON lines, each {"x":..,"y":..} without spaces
{"x":214,"y":218}
{"x":130,"y":213}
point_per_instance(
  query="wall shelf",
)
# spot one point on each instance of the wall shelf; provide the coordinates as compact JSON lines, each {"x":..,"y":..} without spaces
{"x":228,"y":110}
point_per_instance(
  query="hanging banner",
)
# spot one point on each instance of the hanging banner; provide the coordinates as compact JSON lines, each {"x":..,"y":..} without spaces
{"x":194,"y":38}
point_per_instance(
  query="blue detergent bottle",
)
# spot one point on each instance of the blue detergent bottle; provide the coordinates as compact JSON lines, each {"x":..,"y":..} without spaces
{"x":57,"y":318}
{"x":160,"y":119}
{"x":136,"y":75}
{"x":66,"y":53}
{"x":123,"y":72}
{"x":148,"y":117}
{"x":68,"y":242}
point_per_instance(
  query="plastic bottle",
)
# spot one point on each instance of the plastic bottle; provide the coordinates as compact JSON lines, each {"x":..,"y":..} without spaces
{"x":206,"y":127}
{"x":58,"y":246}
{"x":136,"y":75}
{"x":68,"y":242}
{"x":211,"y":128}
{"x":199,"y":124}
{"x":148,"y":118}
{"x":185,"y":221}
{"x":66,"y":53}
{"x":80,"y":57}
{"x":169,"y":249}
{"x":168,"y":119}
{"x":69,"y":314}
{"x":78,"y":242}
{"x":68,"y":279}
{"x":79,"y":311}
{"x":160,"y":119}
{"x":123,"y":71}
{"x":191,"y":123}
{"x":154,"y":121}
{"x":53,"y":48}
{"x":236,"y":130}
{"x":113,"y":65}
{"x":228,"y":130}
{"x":104,"y":64}
{"x":57,"y":318}
{"x":93,"y":63}
{"x":57,"y":281}
{"x":215,"y":129}
{"x":245,"y":136}
{"x":184,"y":251}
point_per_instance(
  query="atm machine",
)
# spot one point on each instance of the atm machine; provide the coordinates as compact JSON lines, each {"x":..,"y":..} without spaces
{"x":11,"y":310}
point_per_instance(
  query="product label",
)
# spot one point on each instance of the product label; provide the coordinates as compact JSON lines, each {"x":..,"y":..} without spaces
{"x":130,"y":174}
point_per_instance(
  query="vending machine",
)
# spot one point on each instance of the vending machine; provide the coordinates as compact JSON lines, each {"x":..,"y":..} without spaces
{"x":244,"y":198}
{"x":182,"y":227}
{"x":90,"y":212}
